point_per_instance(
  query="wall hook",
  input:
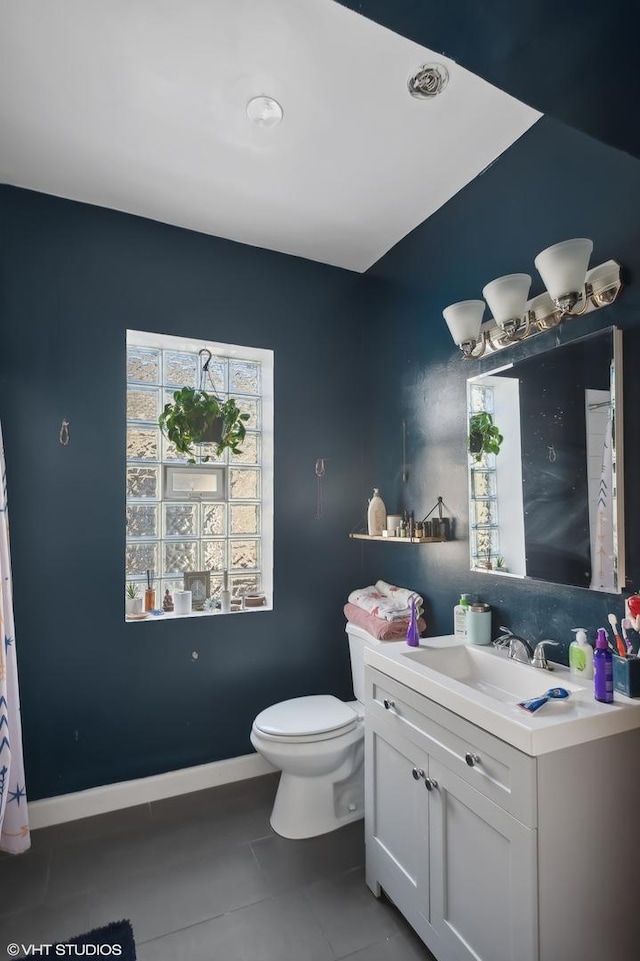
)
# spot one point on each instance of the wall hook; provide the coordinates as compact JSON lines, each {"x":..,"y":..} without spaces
{"x":320,"y":472}
{"x":64,"y":433}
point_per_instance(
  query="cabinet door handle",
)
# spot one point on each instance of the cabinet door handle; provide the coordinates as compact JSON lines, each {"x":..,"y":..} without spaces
{"x":417,"y":773}
{"x":472,"y":759}
{"x":430,"y":784}
{"x":388,"y":704}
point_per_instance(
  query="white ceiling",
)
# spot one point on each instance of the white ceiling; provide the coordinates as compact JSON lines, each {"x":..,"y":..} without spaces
{"x":140,"y":105}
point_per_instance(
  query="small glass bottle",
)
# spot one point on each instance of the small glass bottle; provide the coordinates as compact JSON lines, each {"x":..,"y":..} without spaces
{"x":149,"y":599}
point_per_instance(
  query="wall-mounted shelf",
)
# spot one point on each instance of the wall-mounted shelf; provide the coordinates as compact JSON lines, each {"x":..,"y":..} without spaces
{"x":399,"y":540}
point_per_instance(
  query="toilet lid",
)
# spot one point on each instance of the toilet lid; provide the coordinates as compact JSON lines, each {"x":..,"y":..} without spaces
{"x":306,"y":717}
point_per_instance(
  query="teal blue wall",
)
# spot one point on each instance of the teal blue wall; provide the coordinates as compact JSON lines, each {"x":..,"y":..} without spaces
{"x":354,"y":356}
{"x":103,"y":700}
{"x":574,"y":60}
{"x":555,"y":183}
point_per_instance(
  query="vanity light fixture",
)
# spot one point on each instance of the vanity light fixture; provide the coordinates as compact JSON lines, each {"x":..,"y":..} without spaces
{"x":572,"y":290}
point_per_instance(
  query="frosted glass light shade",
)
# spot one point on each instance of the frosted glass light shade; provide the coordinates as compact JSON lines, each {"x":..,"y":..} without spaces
{"x":563,"y":267}
{"x":507,"y":297}
{"x":464,"y":320}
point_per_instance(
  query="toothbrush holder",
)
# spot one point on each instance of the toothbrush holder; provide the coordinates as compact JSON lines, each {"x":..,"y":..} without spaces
{"x":626,"y":675}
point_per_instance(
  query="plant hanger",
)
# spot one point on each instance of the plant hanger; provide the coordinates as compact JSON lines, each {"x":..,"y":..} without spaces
{"x":199,"y":416}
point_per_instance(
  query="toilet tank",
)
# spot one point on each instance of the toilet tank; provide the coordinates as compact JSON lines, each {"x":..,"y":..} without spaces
{"x":358,"y":640}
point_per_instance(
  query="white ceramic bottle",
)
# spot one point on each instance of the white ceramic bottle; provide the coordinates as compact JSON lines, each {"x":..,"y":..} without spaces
{"x":376,"y":515}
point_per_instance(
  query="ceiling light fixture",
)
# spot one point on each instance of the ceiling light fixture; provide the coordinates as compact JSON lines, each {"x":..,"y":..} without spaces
{"x":428,"y":81}
{"x":264,"y":111}
{"x":572,"y":290}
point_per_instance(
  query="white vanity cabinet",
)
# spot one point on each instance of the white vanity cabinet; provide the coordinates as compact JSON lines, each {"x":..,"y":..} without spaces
{"x":460,"y":867}
{"x":454,"y":824}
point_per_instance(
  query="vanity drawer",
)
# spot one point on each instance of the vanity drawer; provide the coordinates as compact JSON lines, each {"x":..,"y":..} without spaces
{"x":493,"y":767}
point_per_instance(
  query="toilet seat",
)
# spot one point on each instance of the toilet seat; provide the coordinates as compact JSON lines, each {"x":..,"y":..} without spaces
{"x":317,"y":717}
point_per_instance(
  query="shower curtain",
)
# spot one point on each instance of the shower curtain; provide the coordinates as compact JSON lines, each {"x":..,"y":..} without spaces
{"x":14,"y":820}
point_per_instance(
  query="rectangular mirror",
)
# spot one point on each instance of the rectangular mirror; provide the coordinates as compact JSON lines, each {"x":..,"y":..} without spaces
{"x":549,"y":505}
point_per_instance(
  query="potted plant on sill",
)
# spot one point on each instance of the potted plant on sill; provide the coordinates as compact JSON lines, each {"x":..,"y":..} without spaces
{"x":197,"y":417}
{"x":484,"y":436}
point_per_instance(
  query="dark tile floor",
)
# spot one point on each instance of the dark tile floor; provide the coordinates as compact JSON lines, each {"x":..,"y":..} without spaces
{"x":203,"y":877}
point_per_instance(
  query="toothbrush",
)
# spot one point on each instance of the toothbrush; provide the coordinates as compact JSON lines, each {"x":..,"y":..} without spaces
{"x":613,"y":620}
{"x":626,"y":625}
{"x":534,"y":704}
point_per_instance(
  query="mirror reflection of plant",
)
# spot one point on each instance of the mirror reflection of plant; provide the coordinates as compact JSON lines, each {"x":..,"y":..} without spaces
{"x":195,"y":416}
{"x":484,"y":436}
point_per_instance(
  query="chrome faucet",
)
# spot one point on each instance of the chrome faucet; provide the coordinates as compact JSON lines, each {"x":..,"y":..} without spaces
{"x":518,"y":649}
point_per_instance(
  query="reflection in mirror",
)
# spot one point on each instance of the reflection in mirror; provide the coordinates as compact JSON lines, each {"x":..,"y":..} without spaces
{"x":548,"y":505}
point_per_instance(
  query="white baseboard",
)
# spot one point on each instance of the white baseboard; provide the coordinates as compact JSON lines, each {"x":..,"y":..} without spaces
{"x":124,"y":794}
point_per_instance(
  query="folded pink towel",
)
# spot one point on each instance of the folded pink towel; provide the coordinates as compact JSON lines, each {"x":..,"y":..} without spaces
{"x":379,"y":628}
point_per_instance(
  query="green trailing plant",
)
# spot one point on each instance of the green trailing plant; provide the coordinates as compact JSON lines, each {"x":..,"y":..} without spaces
{"x":484,"y":436}
{"x":131,"y":590}
{"x":197,"y":417}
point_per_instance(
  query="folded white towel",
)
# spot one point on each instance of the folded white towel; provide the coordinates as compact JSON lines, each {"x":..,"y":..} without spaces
{"x":399,"y":594}
{"x":388,"y":607}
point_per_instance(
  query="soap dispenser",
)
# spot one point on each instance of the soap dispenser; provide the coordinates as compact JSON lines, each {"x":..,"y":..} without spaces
{"x":581,"y":655}
{"x":460,"y":616}
{"x":376,"y":515}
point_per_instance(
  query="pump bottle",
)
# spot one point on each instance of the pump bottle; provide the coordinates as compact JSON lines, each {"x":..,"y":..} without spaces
{"x":460,"y":616}
{"x":581,"y":655}
{"x":376,"y":515}
{"x":603,"y":669}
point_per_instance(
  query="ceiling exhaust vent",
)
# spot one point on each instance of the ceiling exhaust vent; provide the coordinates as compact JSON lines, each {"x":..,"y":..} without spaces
{"x":428,"y":81}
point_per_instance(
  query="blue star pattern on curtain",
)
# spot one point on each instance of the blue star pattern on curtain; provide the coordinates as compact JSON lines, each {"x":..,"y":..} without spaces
{"x":14,"y":821}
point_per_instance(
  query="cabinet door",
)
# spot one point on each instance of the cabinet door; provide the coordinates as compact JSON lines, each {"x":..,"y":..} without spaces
{"x":483,"y":874}
{"x":396,"y":822}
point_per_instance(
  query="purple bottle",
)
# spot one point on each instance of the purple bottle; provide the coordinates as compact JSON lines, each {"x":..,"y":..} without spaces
{"x":413,"y":634}
{"x":603,"y":669}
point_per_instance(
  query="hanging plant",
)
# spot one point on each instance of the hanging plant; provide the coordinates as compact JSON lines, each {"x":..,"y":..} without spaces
{"x":197,"y":417}
{"x":484,"y":436}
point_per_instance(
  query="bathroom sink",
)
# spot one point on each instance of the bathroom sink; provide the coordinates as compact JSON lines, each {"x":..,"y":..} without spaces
{"x":490,"y":672}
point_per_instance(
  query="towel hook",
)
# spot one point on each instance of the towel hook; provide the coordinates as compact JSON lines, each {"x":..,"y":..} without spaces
{"x":320,"y":472}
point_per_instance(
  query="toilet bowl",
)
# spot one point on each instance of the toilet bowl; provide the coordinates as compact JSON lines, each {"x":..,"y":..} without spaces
{"x":318,"y":743}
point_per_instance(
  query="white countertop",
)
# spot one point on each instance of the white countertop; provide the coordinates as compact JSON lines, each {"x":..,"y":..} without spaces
{"x":559,"y":724}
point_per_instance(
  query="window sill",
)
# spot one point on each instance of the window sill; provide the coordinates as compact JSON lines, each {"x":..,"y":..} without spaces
{"x":172,"y":616}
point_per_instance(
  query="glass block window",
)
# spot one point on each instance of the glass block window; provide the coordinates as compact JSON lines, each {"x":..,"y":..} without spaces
{"x":483,"y":501}
{"x":169,"y":535}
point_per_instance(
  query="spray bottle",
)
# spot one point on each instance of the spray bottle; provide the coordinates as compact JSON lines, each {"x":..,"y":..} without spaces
{"x":603,"y":669}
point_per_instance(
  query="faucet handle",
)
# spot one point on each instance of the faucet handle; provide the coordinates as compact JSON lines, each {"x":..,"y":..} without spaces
{"x":540,"y":655}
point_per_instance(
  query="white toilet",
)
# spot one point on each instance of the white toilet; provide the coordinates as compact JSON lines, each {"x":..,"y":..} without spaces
{"x":318,"y":744}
